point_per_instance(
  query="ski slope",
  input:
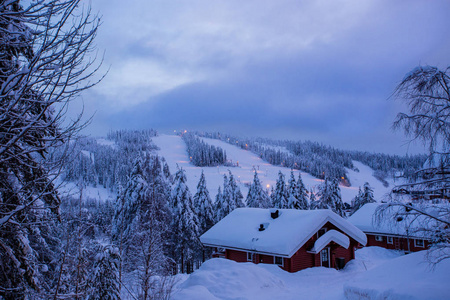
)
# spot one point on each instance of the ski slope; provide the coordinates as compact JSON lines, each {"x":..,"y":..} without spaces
{"x":173,"y":149}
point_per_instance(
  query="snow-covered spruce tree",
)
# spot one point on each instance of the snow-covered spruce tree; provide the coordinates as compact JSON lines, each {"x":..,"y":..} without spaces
{"x":205,"y":212}
{"x":364,"y":196}
{"x":129,"y":202}
{"x":203,"y":206}
{"x":185,"y":224}
{"x":302,"y":192}
{"x":141,"y":224}
{"x":330,"y":196}
{"x":42,"y":68}
{"x":220,"y":207}
{"x":292,"y":185}
{"x":235,"y":193}
{"x":297,"y":193}
{"x":356,"y":200}
{"x":105,"y":282}
{"x":232,"y":196}
{"x":314,"y":203}
{"x":279,"y":196}
{"x":257,"y":196}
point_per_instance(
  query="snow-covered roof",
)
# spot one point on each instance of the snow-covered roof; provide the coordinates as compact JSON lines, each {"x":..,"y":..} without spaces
{"x":282,"y":236}
{"x":392,"y":222}
{"x":330,"y":235}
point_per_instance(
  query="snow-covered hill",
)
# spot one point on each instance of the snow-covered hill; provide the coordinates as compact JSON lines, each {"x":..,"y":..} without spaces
{"x":173,"y":148}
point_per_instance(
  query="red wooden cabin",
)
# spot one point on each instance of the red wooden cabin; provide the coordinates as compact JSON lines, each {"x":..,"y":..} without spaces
{"x":292,"y":239}
{"x":396,"y":232}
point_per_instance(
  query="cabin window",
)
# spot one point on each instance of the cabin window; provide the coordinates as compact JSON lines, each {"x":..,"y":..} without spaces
{"x":379,"y":238}
{"x":419,"y":243}
{"x":390,"y":240}
{"x":278,"y":260}
{"x":321,"y":232}
{"x":249,"y":256}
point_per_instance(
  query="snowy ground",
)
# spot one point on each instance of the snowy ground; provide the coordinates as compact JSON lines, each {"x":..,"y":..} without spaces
{"x":376,"y":273}
{"x":89,"y":192}
{"x":173,"y":148}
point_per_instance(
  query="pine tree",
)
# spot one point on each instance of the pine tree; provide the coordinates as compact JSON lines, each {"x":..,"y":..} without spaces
{"x":279,"y":197}
{"x":302,"y":193}
{"x":140,"y":224}
{"x":105,"y":282}
{"x":364,"y":196}
{"x":330,"y":196}
{"x":292,"y":186}
{"x":297,"y":193}
{"x":203,"y":205}
{"x":232,"y":196}
{"x":235,"y":192}
{"x":129,"y":202}
{"x":185,"y":224}
{"x":220,"y":207}
{"x":257,"y":196}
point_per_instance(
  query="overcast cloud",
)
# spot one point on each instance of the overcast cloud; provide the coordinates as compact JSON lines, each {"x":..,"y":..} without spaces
{"x":319,"y":70}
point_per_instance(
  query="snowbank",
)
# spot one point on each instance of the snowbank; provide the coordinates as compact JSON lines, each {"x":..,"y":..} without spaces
{"x":406,"y":277}
{"x":226,"y":279}
{"x":376,"y":273}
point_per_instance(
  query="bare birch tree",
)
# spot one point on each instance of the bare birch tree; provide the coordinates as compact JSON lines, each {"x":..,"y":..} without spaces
{"x":425,"y":198}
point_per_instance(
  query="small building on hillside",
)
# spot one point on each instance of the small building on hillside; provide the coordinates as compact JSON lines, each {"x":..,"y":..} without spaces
{"x":292,"y":239}
{"x":393,"y":230}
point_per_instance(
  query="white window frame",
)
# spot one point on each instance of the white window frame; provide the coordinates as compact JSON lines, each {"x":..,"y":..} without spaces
{"x":390,"y":240}
{"x":379,"y":238}
{"x":250,"y":256}
{"x":275,"y":261}
{"x":419,"y":246}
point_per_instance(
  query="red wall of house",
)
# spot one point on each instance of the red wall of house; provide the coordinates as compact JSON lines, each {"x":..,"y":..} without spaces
{"x":399,"y":243}
{"x":235,"y":255}
{"x":300,"y":260}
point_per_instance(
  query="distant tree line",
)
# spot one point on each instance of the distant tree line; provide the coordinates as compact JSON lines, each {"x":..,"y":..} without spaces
{"x":323,"y":161}
{"x":201,"y":154}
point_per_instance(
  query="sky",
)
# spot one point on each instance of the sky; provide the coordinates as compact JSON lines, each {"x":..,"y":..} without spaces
{"x":302,"y":70}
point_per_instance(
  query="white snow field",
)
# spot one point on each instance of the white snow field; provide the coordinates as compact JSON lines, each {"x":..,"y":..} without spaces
{"x":376,"y":273}
{"x":89,"y":192}
{"x":173,"y":149}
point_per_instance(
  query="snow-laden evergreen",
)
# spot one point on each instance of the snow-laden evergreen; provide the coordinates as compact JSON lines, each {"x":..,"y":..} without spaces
{"x":297,"y":193}
{"x":232,"y":196}
{"x":105,"y":281}
{"x":221,"y":208}
{"x":330,"y":196}
{"x":141,"y":224}
{"x":128,"y":202}
{"x":185,"y":223}
{"x":257,"y":196}
{"x":280,"y":196}
{"x":364,"y":196}
{"x":235,"y":192}
{"x":203,"y":206}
